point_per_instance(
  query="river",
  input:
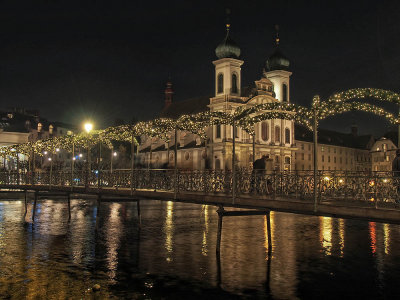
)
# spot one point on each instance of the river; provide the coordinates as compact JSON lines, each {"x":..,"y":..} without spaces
{"x":173,"y":255}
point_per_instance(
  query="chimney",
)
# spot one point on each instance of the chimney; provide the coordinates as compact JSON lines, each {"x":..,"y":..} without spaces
{"x":168,"y":94}
{"x":354,"y":130}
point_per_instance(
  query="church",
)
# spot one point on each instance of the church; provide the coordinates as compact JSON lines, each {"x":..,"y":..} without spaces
{"x":286,"y":149}
{"x":274,"y":138}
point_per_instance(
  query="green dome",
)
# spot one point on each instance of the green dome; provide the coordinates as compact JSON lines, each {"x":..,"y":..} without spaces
{"x":227,"y":48}
{"x":277,"y":61}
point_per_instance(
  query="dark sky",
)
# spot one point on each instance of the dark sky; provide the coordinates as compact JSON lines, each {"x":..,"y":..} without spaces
{"x":110,"y":59}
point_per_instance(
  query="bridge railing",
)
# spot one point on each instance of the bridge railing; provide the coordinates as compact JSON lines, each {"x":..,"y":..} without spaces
{"x":345,"y":185}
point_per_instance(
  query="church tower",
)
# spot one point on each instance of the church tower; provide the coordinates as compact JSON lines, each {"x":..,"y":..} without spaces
{"x":168,"y":94}
{"x":277,"y":71}
{"x":227,"y":67}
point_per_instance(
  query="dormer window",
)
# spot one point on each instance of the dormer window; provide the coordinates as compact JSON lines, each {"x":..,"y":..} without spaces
{"x":39,"y":127}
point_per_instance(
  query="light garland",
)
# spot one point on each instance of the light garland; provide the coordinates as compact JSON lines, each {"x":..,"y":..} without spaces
{"x":244,"y":117}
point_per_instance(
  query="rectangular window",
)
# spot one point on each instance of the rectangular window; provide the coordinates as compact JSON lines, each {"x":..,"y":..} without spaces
{"x":302,"y":146}
{"x":340,"y":160}
{"x":329,"y":159}
{"x":334,"y":159}
{"x":309,"y":156}
{"x":309,"y":147}
{"x":302,"y":156}
{"x":218,"y":131}
{"x":323,"y":158}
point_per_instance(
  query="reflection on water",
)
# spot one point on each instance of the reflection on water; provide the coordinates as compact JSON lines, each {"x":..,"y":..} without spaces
{"x":326,"y":234}
{"x":53,"y":258}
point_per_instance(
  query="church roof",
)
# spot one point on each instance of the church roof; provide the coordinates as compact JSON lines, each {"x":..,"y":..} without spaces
{"x":186,"y":107}
{"x":330,"y":137}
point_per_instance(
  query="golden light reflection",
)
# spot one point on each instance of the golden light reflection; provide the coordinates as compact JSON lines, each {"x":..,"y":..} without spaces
{"x":169,"y":228}
{"x":341,"y":236}
{"x":372,"y":234}
{"x":204,"y":248}
{"x":325,"y":235}
{"x":386,"y":238}
{"x":114,"y":229}
{"x":266,"y":246}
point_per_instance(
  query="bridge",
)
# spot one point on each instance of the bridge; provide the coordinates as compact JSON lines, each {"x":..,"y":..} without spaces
{"x":366,"y":195}
{"x":370,"y":196}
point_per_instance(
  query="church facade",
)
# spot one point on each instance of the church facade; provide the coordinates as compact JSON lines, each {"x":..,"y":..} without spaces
{"x":288,"y":146}
{"x":274,"y":138}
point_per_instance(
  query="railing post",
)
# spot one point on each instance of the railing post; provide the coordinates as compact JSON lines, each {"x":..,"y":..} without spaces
{"x":133,"y":161}
{"x":233,"y":163}
{"x":175,"y":165}
{"x":315,"y":128}
{"x":51,"y":170}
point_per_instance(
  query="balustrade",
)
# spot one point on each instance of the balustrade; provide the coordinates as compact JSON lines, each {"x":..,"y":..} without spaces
{"x":338,"y":185}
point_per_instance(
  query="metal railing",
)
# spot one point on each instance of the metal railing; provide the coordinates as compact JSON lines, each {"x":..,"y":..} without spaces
{"x":339,"y":185}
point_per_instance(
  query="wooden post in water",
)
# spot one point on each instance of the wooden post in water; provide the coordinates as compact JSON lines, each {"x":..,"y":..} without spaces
{"x":34,"y":206}
{"x":26,"y":204}
{"x":269,"y":232}
{"x":139,"y":214}
{"x":69,"y":206}
{"x":220,"y":212}
{"x":98,"y":209}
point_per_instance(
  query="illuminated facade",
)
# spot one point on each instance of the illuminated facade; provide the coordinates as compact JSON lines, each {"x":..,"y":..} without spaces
{"x":289,"y":147}
{"x":274,"y":138}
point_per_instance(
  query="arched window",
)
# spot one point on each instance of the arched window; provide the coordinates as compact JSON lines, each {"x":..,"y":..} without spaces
{"x":234,"y":83}
{"x":264,"y":131}
{"x":287,"y":136}
{"x":277,"y":134}
{"x":284,"y":93}
{"x":220,"y":83}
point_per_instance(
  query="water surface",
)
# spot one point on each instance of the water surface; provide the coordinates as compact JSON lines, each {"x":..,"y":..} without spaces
{"x":173,"y":254}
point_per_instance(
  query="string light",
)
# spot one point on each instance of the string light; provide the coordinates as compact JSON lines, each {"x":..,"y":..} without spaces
{"x":244,"y":116}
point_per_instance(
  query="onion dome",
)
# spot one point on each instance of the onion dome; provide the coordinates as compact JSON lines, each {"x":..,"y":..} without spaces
{"x":277,"y":61}
{"x":227,"y":48}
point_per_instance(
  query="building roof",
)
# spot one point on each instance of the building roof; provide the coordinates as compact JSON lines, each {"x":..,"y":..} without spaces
{"x":187,"y":107}
{"x":14,"y":121}
{"x":330,"y":137}
{"x":393,"y":136}
{"x":227,"y":48}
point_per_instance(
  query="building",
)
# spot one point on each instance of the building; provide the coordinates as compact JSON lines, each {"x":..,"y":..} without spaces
{"x":336,"y":150}
{"x":274,"y":138}
{"x":383,"y":153}
{"x":290,"y":147}
{"x":20,"y":126}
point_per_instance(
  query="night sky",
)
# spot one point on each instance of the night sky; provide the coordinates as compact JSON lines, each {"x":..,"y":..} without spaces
{"x":109,"y":60}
